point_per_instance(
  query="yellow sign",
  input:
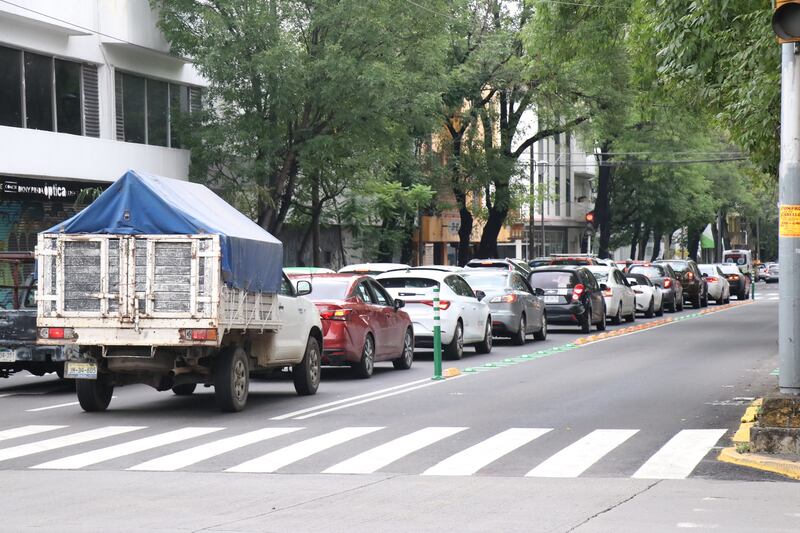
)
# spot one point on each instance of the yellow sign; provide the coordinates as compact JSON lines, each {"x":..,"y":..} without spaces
{"x":790,"y":221}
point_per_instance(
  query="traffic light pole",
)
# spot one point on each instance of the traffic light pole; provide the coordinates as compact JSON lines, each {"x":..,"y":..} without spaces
{"x":789,"y":241}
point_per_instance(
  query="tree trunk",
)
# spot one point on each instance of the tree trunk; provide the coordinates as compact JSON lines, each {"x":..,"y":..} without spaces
{"x":693,"y":242}
{"x":465,"y":229}
{"x":488,"y":245}
{"x":635,"y":239}
{"x":657,"y":238}
{"x":316,"y":208}
{"x":670,"y":235}
{"x":724,"y":236}
{"x":643,"y":240}
{"x":602,"y":205}
{"x":717,"y":243}
{"x":300,"y":257}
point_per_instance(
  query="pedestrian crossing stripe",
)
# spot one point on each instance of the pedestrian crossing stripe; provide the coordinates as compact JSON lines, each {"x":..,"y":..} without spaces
{"x":675,"y":459}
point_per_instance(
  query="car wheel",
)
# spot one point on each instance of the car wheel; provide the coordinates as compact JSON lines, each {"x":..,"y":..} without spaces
{"x":485,"y":346}
{"x":184,"y":389}
{"x":651,"y":309}
{"x":519,"y":338}
{"x":366,"y":365}
{"x":601,"y":326}
{"x":231,"y":379}
{"x":541,"y":335}
{"x":455,"y":350}
{"x":618,"y":317}
{"x":586,"y":321}
{"x":407,"y":357}
{"x":660,"y":310}
{"x":697,"y":301}
{"x":307,"y":372}
{"x":93,"y":394}
{"x":704,"y":301}
{"x":632,"y":316}
{"x":680,"y":304}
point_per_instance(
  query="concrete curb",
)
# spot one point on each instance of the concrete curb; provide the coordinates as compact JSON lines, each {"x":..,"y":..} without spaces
{"x":767,"y":463}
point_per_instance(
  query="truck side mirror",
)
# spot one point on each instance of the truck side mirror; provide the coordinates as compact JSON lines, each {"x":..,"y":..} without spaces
{"x":303,"y":287}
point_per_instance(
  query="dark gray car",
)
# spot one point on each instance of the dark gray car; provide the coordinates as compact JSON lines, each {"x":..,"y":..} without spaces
{"x":517,"y":309}
{"x":666,"y":279}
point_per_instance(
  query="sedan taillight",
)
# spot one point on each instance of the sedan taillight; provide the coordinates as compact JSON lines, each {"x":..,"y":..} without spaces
{"x":335,"y":314}
{"x":667,"y":283}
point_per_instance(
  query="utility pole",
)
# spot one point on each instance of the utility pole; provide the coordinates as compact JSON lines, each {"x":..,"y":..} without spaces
{"x":531,"y":218}
{"x":541,"y":205}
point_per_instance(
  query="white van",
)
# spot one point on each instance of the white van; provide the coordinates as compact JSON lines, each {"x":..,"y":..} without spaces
{"x":741,"y":258}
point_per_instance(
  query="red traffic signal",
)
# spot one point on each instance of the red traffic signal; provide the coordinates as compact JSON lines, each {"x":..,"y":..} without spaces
{"x":590,"y":218}
{"x":786,"y":21}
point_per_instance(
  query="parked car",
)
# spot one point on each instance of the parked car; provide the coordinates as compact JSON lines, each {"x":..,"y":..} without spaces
{"x":307,"y":270}
{"x":539,"y":261}
{"x":517,"y":309}
{"x":464,"y":316}
{"x":505,"y":264}
{"x":666,"y":280}
{"x":739,"y":281}
{"x":371,"y":269}
{"x":619,"y":296}
{"x":773,"y":273}
{"x":695,"y":288}
{"x":649,"y":298}
{"x":718,"y":286}
{"x":761,"y":271}
{"x":361,"y":323}
{"x":571,"y":295}
{"x":575,"y":259}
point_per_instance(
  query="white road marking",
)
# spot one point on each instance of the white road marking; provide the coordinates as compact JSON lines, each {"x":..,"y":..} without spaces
{"x":469,"y":461}
{"x":573,"y":460}
{"x":57,"y":406}
{"x":4,"y":395}
{"x":67,"y":440}
{"x":678,"y":457}
{"x":126,"y":448}
{"x":372,"y":399}
{"x":25,"y":431}
{"x":295,"y":452}
{"x":345,"y":400}
{"x":385,"y":454}
{"x":184,"y":458}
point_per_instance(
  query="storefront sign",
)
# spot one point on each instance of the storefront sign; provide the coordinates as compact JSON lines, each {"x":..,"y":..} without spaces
{"x":11,"y":187}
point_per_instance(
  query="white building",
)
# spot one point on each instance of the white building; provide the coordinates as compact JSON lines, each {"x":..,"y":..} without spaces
{"x":88,"y":89}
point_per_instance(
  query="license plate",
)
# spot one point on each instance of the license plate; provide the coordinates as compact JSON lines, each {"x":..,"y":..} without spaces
{"x":552,"y":299}
{"x":77,"y":370}
{"x":7,"y":356}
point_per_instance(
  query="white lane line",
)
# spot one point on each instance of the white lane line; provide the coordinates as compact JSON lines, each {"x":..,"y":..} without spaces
{"x":4,"y":395}
{"x":573,"y":460}
{"x":385,"y":454}
{"x":25,"y":431}
{"x":469,"y":461}
{"x":679,"y":457}
{"x":57,"y":406}
{"x":68,"y":440}
{"x":345,"y":400}
{"x":126,"y":448}
{"x":184,"y":458}
{"x":374,"y":398}
{"x":290,"y":454}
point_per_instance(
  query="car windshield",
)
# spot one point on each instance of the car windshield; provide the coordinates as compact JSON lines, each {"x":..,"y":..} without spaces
{"x":639,"y":279}
{"x":730,"y":269}
{"x":678,"y":266}
{"x":553,"y":280}
{"x":649,"y":271}
{"x":485,"y":281}
{"x":408,"y":283}
{"x":581,"y":261}
{"x":328,"y":289}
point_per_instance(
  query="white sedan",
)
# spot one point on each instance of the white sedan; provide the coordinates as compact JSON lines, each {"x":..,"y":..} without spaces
{"x":618,"y":294}
{"x":464,"y":318}
{"x":719,"y":289}
{"x":649,"y":298}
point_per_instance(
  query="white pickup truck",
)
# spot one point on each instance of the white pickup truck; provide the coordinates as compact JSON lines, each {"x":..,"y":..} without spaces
{"x":169,"y":308}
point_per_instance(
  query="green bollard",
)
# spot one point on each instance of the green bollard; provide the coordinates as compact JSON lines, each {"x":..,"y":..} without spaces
{"x":437,"y":337}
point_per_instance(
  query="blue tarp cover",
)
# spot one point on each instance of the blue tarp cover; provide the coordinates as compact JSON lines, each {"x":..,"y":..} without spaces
{"x":144,"y":204}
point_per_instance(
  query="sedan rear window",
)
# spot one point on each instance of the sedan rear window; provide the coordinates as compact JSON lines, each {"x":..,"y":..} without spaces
{"x":678,"y":266}
{"x":553,"y":280}
{"x":649,"y":271}
{"x":328,"y":289}
{"x":730,"y":269}
{"x":484,"y":281}
{"x":408,"y":283}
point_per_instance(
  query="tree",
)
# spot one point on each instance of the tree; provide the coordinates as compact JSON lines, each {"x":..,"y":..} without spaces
{"x":304,"y":91}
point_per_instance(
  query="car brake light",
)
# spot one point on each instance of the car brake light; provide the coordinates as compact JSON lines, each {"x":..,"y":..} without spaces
{"x":199,"y":334}
{"x":335,"y":314}
{"x":667,"y":283}
{"x":577,"y":291}
{"x":52,"y":333}
{"x":689,"y":275}
{"x":734,"y":277}
{"x":507,"y":299}
{"x":711,"y":279}
{"x":443,"y":304}
{"x":608,"y":292}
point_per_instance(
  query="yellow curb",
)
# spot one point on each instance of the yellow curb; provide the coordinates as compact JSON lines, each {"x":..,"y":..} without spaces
{"x":757,"y":402}
{"x":751,"y":413}
{"x":742,"y":434}
{"x":580,"y":341}
{"x":451,"y":372}
{"x":759,"y":461}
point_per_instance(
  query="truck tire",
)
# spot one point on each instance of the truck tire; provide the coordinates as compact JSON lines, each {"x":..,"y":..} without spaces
{"x":93,"y":394}
{"x":231,"y":379}
{"x":366,"y":365}
{"x":306,"y":373}
{"x":406,"y":358}
{"x":185,"y":389}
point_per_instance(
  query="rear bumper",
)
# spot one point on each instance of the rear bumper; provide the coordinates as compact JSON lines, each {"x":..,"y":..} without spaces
{"x":35,"y":353}
{"x":339,"y":346}
{"x":565,"y":313}
{"x":504,"y":320}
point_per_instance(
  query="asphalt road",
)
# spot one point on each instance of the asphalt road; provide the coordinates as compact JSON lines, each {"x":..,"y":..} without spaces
{"x":616,"y":435}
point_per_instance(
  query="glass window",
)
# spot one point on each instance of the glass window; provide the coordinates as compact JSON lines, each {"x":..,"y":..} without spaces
{"x":363,"y":292}
{"x":68,"y":97}
{"x":380,"y":296}
{"x":553,"y":280}
{"x":408,"y":283}
{"x":327,"y":289}
{"x":649,"y":271}
{"x":157,"y":112}
{"x":10,"y":87}
{"x":38,"y":92}
{"x":133,"y":102}
{"x":462,"y":287}
{"x":486,"y":281}
{"x":286,"y":287}
{"x":178,"y":108}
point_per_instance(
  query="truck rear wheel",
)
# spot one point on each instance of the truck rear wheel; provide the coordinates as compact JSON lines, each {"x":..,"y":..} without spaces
{"x":231,"y":379}
{"x":93,"y":394}
{"x":306,"y":373}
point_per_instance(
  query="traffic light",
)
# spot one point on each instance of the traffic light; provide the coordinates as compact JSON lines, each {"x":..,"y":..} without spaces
{"x":786,"y":21}
{"x":590,"y":219}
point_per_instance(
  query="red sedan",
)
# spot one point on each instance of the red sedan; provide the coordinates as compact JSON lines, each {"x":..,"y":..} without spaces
{"x":361,"y":323}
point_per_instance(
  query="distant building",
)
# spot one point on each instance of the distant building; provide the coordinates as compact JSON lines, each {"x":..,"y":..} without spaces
{"x":88,"y":89}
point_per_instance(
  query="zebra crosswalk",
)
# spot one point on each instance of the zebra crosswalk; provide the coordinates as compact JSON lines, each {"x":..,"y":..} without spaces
{"x":437,"y":451}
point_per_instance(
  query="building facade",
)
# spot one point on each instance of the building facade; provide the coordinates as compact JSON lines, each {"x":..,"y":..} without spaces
{"x":88,"y":90}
